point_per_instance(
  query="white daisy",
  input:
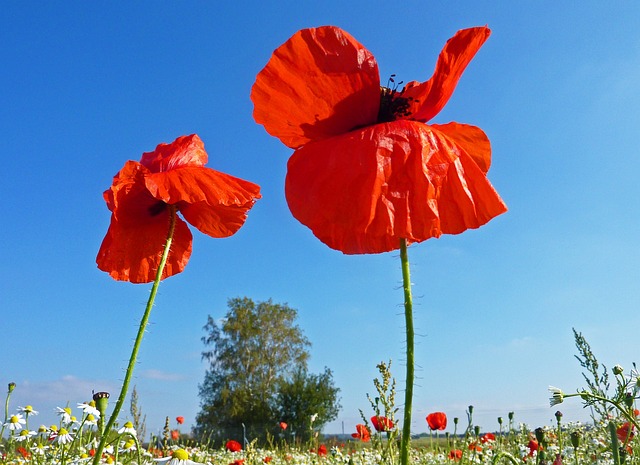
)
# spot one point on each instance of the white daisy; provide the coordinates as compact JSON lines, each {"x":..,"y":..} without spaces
{"x":178,"y":457}
{"x":127,"y":428}
{"x":65,"y":414}
{"x":63,"y":436}
{"x":28,"y":410}
{"x":557,"y":396}
{"x":24,"y":435}
{"x":15,"y":422}
{"x":89,"y":408}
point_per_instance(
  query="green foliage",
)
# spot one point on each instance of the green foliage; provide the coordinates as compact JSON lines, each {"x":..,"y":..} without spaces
{"x":255,"y":352}
{"x":305,"y":401}
{"x":137,"y":418}
{"x":597,"y":378}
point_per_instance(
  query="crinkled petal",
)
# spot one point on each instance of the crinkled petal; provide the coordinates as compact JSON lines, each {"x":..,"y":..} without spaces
{"x":132,"y":252}
{"x":184,"y":151}
{"x":363,"y":191}
{"x":216,"y":220}
{"x":318,"y":84}
{"x":214,"y":202}
{"x":134,"y":242}
{"x":431,"y":96}
{"x":470,"y":138}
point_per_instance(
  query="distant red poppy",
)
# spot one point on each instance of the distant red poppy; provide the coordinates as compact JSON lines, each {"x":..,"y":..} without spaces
{"x":367,"y":170}
{"x":267,"y":459}
{"x":362,"y":433}
{"x":322,"y":449}
{"x":140,"y":200}
{"x":233,"y":446}
{"x":283,"y":425}
{"x":175,"y":434}
{"x":24,"y":452}
{"x":237,"y":462}
{"x":625,"y":432}
{"x":382,"y":423}
{"x":533,"y":446}
{"x":487,"y":437}
{"x":180,"y":420}
{"x":437,"y":421}
{"x":455,"y":454}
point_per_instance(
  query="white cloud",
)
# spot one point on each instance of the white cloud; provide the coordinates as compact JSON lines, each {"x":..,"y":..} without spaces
{"x":161,"y":375}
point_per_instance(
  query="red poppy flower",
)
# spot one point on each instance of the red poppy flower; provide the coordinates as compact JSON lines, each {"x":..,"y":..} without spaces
{"x":175,"y":434}
{"x":283,"y":425}
{"x":455,"y":454}
{"x":382,"y":423}
{"x":233,"y":446}
{"x":487,"y":437}
{"x":139,"y":199}
{"x":180,"y":420}
{"x":362,"y":433}
{"x":625,"y":432}
{"x":322,"y":450}
{"x":437,"y":421}
{"x":267,"y":459}
{"x":367,"y":170}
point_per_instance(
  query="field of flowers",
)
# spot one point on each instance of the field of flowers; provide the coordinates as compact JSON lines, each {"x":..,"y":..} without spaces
{"x":74,"y":439}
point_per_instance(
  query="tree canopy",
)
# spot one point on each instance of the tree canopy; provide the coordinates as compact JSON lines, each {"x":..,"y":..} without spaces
{"x":258,"y":376}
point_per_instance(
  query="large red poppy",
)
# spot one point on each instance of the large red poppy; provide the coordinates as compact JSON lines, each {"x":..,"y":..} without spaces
{"x":140,"y":199}
{"x":437,"y":421}
{"x":367,"y":170}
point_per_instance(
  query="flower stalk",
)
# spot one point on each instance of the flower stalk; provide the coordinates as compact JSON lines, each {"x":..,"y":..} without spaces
{"x":141,"y":330}
{"x":408,"y":315}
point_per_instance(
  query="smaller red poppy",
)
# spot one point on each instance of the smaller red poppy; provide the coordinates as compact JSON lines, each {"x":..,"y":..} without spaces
{"x":322,"y":450}
{"x":237,"y":462}
{"x":362,"y":433}
{"x":267,"y":459}
{"x":625,"y":432}
{"x":175,"y":434}
{"x":437,"y":421}
{"x":233,"y":446}
{"x":533,"y":446}
{"x":180,"y":420}
{"x":24,"y":452}
{"x":283,"y":425}
{"x":487,"y":437}
{"x":381,"y":423}
{"x":455,"y":454}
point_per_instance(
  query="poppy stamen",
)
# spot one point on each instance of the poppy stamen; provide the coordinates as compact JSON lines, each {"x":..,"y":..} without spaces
{"x":392,"y":103}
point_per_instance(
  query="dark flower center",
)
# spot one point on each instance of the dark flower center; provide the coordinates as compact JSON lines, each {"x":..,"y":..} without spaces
{"x":392,"y":104}
{"x":157,"y":208}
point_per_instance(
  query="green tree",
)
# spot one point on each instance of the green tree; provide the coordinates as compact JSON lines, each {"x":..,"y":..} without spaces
{"x":251,"y":352}
{"x":306,"y":402}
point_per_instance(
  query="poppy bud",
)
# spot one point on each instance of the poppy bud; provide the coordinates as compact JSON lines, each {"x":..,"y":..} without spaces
{"x":12,"y":386}
{"x":500,"y":421}
{"x":540,"y":435}
{"x":511,"y":416}
{"x":628,"y":399}
{"x":476,"y":430}
{"x":470,"y":409}
{"x":558,"y":416}
{"x":575,"y":436}
{"x":102,"y":401}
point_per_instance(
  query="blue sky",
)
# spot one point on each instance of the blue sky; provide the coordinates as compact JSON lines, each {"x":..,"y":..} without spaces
{"x":87,"y":86}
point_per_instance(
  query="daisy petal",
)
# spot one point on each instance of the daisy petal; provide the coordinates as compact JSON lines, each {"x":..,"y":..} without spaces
{"x":320,"y":83}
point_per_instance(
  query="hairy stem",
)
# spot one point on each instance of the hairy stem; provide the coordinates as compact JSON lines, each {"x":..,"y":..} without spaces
{"x":141,"y":330}
{"x":408,"y":315}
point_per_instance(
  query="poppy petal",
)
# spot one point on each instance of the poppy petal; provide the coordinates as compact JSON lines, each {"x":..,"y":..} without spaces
{"x":470,"y":138}
{"x":363,"y":191}
{"x":132,"y":247}
{"x":215,"y":220}
{"x":132,"y":252}
{"x":431,"y":96}
{"x":191,"y":184}
{"x":184,"y":151}
{"x":319,"y":83}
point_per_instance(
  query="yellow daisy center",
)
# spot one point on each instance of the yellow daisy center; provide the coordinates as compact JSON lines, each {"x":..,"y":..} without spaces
{"x":180,"y":454}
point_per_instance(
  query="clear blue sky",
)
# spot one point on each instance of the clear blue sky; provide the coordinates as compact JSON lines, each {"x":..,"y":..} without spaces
{"x":86,"y":86}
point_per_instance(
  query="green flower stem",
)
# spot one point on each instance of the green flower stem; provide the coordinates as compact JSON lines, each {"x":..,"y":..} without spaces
{"x":141,"y":330}
{"x":408,"y":315}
